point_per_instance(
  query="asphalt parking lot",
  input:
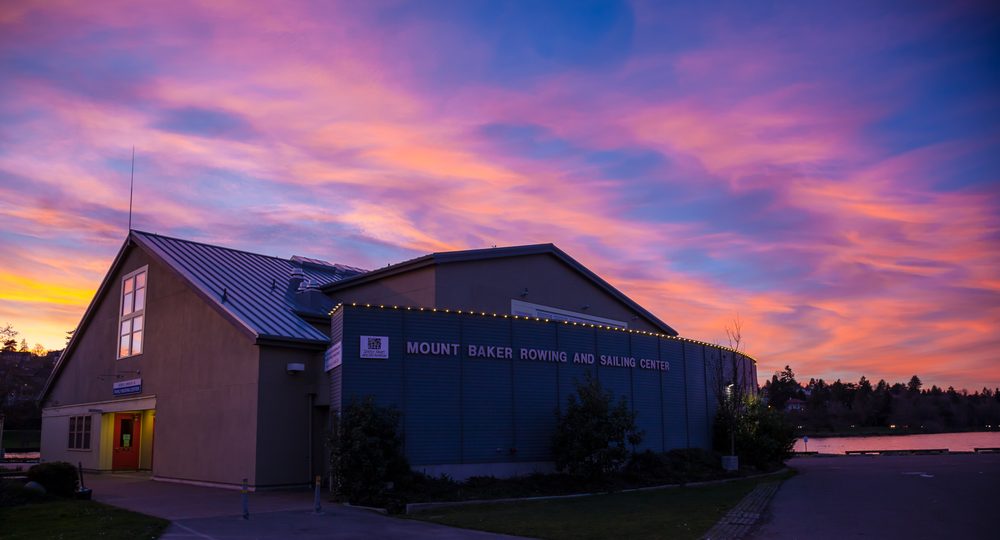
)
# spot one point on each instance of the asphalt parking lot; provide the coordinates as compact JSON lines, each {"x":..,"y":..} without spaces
{"x":931,"y":496}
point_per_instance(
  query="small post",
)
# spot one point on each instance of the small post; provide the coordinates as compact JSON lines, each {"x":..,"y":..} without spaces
{"x":246,"y":501}
{"x":317,"y":507}
{"x":805,"y":441}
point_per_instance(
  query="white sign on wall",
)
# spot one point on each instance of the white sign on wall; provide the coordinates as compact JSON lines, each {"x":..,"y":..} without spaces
{"x":375,"y":347}
{"x":334,"y":356}
{"x":123,"y":388}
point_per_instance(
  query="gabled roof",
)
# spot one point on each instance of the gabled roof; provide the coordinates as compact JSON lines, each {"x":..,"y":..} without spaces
{"x":249,"y":287}
{"x":246,"y":288}
{"x":495,"y":253}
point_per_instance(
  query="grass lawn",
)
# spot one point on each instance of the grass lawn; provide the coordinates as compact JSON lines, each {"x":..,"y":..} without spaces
{"x":687,"y":512}
{"x":71,"y":520}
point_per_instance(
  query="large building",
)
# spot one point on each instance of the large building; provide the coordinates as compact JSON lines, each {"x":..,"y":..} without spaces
{"x":209,"y":365}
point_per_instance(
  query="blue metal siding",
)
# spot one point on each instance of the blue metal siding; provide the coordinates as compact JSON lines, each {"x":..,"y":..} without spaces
{"x":674,"y":395}
{"x":382,"y":379}
{"x":433,"y":417}
{"x":535,"y":391}
{"x":715,"y":374}
{"x":616,"y":379}
{"x":460,"y":408}
{"x":488,"y":423}
{"x":694,"y":369}
{"x":574,"y":340}
{"x":647,"y":393}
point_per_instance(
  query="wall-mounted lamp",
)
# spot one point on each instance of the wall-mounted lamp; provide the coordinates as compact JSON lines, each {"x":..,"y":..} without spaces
{"x":294,"y":368}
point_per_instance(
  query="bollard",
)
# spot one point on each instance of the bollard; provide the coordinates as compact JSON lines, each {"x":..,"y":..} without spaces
{"x":246,"y":502}
{"x":316,"y":504}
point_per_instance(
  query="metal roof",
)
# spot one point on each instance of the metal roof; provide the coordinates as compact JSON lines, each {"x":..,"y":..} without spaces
{"x":249,"y":287}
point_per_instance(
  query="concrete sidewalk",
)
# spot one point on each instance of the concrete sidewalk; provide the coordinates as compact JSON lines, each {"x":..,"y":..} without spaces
{"x":216,"y":514}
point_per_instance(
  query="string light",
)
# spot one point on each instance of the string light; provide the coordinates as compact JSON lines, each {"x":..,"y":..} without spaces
{"x":566,"y":322}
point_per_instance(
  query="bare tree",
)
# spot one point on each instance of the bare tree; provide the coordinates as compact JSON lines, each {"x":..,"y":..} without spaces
{"x":730,"y":385}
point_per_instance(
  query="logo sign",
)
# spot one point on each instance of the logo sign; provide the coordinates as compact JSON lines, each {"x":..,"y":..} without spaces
{"x":375,"y":347}
{"x":334,"y":356}
{"x":124,"y":388}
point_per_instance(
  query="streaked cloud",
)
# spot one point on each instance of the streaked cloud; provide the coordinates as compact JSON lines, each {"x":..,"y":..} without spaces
{"x":827,"y":172}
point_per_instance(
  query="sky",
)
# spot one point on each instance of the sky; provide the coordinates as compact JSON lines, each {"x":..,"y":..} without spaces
{"x":827,"y":171}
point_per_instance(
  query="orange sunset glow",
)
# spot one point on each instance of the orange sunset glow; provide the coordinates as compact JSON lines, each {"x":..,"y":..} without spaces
{"x":835,"y":184}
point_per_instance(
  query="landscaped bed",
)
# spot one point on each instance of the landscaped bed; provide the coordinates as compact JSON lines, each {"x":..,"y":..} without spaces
{"x":684,"y":512}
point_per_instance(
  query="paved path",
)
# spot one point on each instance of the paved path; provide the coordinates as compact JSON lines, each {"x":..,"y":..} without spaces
{"x":215,"y":514}
{"x":738,"y":522}
{"x":913,"y":497}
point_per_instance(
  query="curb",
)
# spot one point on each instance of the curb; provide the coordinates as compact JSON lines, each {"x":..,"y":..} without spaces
{"x":419,"y":507}
{"x":738,"y":522}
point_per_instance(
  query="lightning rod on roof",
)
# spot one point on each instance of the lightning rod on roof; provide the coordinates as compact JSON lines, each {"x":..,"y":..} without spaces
{"x":131,"y":183}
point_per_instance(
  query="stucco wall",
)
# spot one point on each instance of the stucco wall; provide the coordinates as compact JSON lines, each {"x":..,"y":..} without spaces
{"x":490,"y":285}
{"x":201,"y":369}
{"x":414,"y":288}
{"x":286,"y":404}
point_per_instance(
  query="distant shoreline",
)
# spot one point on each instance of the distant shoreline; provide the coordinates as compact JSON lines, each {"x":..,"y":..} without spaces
{"x":886,"y":433}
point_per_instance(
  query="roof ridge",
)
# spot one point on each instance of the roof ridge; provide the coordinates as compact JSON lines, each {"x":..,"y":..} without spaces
{"x":225,"y":248}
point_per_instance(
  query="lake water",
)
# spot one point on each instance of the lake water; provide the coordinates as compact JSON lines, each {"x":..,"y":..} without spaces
{"x":956,"y":442}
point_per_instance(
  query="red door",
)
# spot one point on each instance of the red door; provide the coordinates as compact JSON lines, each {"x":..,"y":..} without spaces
{"x":126,"y":446}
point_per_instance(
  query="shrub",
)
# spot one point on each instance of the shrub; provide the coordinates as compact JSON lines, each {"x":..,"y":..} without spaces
{"x":58,"y":477}
{"x":590,"y":438}
{"x":764,"y":437}
{"x":367,"y":453}
{"x":13,"y":493}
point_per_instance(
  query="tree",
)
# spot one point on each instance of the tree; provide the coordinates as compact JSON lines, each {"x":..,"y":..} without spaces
{"x":39,"y":350}
{"x":24,"y":346}
{"x":7,"y":333}
{"x":913,"y":388}
{"x":591,"y":435}
{"x":10,"y":345}
{"x":730,"y":390}
{"x":366,"y":454}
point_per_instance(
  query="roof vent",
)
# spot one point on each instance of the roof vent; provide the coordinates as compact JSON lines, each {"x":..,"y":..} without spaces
{"x":295,"y":281}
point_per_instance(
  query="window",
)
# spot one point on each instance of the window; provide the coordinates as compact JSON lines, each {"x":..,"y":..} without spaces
{"x":132,"y":315}
{"x":79,"y":433}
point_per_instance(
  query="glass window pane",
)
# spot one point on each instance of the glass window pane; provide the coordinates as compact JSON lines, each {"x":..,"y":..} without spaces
{"x":137,"y":323}
{"x":140,"y":299}
{"x":137,"y":342}
{"x":79,"y":440}
{"x":126,"y":327}
{"x":140,"y":280}
{"x":72,"y":424}
{"x":123,"y":346}
{"x":86,"y":424}
{"x":129,"y":285}
{"x":127,"y":304}
{"x":72,"y":439}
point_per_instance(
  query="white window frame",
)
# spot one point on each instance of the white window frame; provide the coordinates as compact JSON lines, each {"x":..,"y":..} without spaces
{"x":127,"y":321}
{"x":79,"y":433}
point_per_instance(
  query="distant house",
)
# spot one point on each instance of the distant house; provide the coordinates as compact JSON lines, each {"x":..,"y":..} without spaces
{"x":206,"y":364}
{"x":795,"y":404}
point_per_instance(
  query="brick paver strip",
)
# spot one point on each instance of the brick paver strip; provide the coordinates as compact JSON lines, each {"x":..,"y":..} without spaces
{"x":738,"y":522}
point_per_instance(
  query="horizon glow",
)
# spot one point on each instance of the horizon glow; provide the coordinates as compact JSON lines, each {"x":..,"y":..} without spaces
{"x":828,"y":173}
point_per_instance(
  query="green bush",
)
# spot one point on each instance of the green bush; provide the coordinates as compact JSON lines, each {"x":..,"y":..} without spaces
{"x":591,"y":436}
{"x":367,"y":453}
{"x":764,"y":437}
{"x":13,"y":493}
{"x":676,"y":466}
{"x":58,"y":477}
